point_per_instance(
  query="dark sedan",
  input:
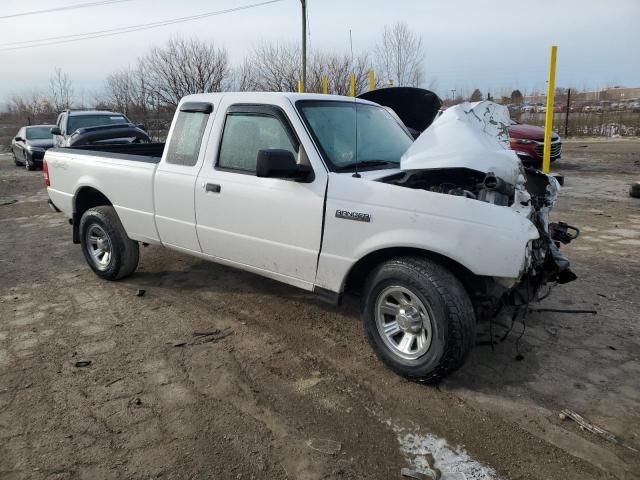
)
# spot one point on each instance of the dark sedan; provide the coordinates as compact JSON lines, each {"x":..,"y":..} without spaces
{"x":29,"y":145}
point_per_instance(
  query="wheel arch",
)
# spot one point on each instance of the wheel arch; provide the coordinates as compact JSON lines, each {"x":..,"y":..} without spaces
{"x":86,"y":197}
{"x":357,"y":274}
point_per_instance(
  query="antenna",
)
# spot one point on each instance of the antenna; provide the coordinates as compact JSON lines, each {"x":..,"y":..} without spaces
{"x":355,"y":110}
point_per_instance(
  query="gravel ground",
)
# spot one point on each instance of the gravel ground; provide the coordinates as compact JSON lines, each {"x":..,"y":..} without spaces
{"x":287,"y":387}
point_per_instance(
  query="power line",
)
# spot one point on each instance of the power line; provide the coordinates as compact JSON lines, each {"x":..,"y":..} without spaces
{"x":43,"y":42}
{"x":58,"y":9}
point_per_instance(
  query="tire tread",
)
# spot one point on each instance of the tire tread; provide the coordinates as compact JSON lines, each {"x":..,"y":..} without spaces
{"x":461,"y":317}
{"x":130,"y":252}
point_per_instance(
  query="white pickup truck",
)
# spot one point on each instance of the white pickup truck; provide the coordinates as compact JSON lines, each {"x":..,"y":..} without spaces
{"x":332,"y":195}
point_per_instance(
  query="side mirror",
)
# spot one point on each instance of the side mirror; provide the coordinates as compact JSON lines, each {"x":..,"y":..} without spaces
{"x":141,"y":126}
{"x":56,"y":131}
{"x":277,"y":163}
{"x":19,"y":139}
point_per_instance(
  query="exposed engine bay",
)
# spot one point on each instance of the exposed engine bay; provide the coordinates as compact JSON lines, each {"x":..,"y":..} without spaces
{"x":465,"y":152}
{"x":463,"y":182}
{"x":534,"y":195}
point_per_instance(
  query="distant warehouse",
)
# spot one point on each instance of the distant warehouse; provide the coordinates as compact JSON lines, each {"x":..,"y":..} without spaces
{"x":618,"y":94}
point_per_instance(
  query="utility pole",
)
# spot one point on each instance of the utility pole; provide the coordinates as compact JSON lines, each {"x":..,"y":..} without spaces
{"x":453,"y":94}
{"x":304,"y":44}
{"x":566,"y":118}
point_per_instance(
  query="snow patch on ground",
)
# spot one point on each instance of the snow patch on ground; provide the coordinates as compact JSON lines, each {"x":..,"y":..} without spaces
{"x":417,"y":448}
{"x":425,"y":452}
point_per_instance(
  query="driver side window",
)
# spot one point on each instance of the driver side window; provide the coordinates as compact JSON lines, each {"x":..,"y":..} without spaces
{"x":245,"y":134}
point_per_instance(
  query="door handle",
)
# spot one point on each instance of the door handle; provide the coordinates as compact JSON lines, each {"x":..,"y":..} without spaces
{"x":212,"y":187}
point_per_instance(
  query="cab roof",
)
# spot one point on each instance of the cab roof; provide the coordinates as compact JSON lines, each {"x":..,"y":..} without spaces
{"x":292,"y":96}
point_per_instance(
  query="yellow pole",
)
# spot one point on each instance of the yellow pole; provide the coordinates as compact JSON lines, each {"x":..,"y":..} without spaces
{"x":352,"y":85}
{"x":372,"y":80}
{"x":548,"y":121}
{"x":300,"y":86}
{"x":325,"y":85}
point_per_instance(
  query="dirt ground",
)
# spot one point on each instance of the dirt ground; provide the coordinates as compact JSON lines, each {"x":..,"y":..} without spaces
{"x":284,"y":377}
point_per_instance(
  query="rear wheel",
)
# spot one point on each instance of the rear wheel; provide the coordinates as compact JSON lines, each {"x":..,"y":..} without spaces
{"x":105,"y":245}
{"x":418,"y":318}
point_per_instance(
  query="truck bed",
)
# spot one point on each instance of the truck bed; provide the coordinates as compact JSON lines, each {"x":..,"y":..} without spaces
{"x":122,"y":173}
{"x":148,"y":152}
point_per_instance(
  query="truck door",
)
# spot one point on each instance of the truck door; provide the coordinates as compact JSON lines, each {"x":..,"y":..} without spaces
{"x":176,"y":175}
{"x":267,"y":225}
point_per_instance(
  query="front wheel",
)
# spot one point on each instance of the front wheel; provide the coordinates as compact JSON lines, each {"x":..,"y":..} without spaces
{"x":108,"y":250}
{"x":418,"y":318}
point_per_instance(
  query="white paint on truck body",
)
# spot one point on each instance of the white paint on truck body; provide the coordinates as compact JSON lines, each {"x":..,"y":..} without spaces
{"x":281,"y":229}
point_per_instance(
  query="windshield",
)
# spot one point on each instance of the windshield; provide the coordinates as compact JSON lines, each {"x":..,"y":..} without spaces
{"x":39,"y":133}
{"x":380,"y":139}
{"x":99,"y":120}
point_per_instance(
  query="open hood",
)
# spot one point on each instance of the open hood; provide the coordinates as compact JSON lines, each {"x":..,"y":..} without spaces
{"x":469,"y":135}
{"x":416,"y":107}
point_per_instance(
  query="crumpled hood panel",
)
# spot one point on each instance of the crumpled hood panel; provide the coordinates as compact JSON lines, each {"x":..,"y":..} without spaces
{"x":468,"y":135}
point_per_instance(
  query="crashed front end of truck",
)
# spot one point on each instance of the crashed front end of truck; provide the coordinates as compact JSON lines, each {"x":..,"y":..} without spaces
{"x":465,"y":152}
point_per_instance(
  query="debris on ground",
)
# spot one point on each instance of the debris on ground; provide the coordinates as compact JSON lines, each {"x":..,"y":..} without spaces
{"x":213,"y":336}
{"x":324,"y":445}
{"x":601,"y":432}
{"x":206,"y":337}
{"x":82,"y":363}
{"x":140,"y":293}
{"x":563,"y":310}
{"x":10,"y":202}
{"x":408,"y":473}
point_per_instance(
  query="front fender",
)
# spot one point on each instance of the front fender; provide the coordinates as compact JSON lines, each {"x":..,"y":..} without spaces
{"x":486,"y":239}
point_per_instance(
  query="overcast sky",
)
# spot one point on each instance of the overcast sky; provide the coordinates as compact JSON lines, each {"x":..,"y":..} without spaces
{"x":468,"y":43}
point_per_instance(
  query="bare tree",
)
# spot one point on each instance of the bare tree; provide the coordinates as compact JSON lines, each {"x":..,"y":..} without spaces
{"x":400,"y":55}
{"x":476,"y":96}
{"x":183,"y":67}
{"x":60,"y":90}
{"x":31,"y":104}
{"x":127,"y":91}
{"x":339,"y":68}
{"x":276,"y":67}
{"x":516,"y":97}
{"x":272,"y":67}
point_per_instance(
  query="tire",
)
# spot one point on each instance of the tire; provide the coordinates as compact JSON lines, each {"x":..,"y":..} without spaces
{"x":102,"y":235}
{"x":15,"y":160}
{"x":435,"y":302}
{"x":634,"y":190}
{"x":28,"y":165}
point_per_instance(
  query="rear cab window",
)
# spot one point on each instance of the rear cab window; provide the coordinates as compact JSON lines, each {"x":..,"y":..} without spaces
{"x":186,"y":138}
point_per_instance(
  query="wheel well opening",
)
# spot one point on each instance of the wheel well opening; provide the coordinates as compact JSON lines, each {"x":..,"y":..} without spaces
{"x":473,"y":283}
{"x":87,"y":198}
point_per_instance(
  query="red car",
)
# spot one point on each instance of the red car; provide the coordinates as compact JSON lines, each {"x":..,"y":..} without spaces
{"x":528,"y":143}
